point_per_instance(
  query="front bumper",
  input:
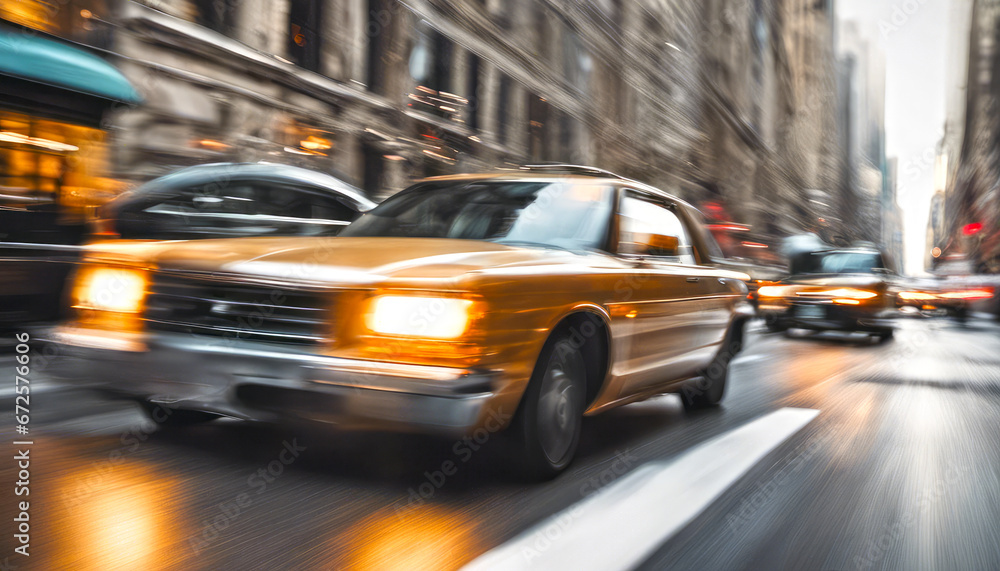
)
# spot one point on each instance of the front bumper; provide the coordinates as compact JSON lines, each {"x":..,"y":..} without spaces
{"x":829,"y":316}
{"x":266,"y":382}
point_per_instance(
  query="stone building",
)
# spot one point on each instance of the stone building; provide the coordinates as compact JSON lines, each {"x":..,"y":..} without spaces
{"x":725,"y":103}
{"x":972,"y":197}
{"x":865,"y":190}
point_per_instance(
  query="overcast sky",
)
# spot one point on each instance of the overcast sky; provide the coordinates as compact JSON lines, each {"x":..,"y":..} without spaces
{"x":913,"y":35}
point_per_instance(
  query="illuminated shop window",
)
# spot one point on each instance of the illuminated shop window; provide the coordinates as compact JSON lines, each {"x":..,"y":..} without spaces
{"x":82,"y":21}
{"x":305,"y":140}
{"x":45,"y":162}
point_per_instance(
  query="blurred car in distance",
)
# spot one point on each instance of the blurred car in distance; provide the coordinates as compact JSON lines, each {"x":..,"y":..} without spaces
{"x":462,"y":304}
{"x":843,"y":289}
{"x":946,"y":297}
{"x":224,"y":200}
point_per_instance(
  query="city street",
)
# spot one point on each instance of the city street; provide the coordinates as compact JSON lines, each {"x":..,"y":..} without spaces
{"x":898,"y":470}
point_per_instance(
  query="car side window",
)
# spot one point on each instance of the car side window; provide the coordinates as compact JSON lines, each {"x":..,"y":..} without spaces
{"x":235,"y":199}
{"x":641,"y":215}
{"x":283,"y":201}
{"x":311,"y":211}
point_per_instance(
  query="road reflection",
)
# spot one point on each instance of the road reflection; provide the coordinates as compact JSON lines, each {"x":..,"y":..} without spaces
{"x":104,"y":515}
{"x":413,"y":538}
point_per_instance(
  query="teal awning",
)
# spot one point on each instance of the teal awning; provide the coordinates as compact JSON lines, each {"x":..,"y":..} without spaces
{"x":47,"y":61}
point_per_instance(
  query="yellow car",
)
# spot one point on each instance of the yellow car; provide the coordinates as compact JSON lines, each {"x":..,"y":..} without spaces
{"x":463,"y":305}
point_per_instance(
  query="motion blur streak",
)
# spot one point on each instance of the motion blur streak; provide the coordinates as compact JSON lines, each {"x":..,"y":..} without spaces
{"x":129,"y":521}
{"x":416,"y":538}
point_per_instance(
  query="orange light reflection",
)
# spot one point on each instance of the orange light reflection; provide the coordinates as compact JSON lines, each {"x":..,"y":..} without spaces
{"x":421,"y":537}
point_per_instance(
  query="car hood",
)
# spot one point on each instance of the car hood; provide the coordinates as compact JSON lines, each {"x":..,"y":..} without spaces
{"x":332,"y":260}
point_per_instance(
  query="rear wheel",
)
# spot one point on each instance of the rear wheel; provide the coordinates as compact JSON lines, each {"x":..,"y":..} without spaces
{"x":884,"y":336}
{"x":164,"y":416}
{"x":708,"y":389}
{"x":547,"y":424}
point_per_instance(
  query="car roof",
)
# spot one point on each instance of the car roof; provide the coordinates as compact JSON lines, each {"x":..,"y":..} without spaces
{"x":277,"y":172}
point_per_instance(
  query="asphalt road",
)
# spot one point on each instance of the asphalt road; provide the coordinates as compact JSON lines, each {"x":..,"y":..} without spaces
{"x":899,"y":469}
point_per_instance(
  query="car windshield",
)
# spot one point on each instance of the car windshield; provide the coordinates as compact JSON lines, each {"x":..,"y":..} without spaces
{"x":840,"y":263}
{"x":561,"y":214}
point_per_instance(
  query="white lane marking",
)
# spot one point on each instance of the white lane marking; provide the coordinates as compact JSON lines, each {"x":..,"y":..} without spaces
{"x":623,"y":524}
{"x":749,"y":358}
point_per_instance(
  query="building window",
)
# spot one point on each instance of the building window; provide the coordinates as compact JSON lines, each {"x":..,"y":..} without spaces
{"x":566,"y":125}
{"x":503,"y":101}
{"x":379,"y":35}
{"x":218,"y":15}
{"x":303,"y":33}
{"x":538,"y":128}
{"x":430,"y":59}
{"x":430,"y":67}
{"x":472,"y":90}
{"x":577,"y":63}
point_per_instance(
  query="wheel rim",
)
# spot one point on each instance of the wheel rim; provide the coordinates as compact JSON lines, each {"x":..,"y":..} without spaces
{"x":558,"y":411}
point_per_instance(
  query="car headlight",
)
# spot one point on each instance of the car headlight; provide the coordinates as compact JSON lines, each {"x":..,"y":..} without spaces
{"x":411,"y":316}
{"x":110,"y":289}
{"x":848,"y":293}
{"x":772,"y":291}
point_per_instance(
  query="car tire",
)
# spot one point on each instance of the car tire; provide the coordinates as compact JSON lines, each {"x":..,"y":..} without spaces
{"x":884,"y":336}
{"x":709,"y":387}
{"x":962,"y":316}
{"x":546,"y":427}
{"x":775,"y":324}
{"x":165,"y":416}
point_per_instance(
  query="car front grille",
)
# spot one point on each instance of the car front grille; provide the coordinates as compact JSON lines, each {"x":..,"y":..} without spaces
{"x":220,"y":306}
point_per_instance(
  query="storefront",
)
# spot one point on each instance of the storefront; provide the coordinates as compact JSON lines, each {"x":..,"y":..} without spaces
{"x":54,"y":163}
{"x":53,"y":149}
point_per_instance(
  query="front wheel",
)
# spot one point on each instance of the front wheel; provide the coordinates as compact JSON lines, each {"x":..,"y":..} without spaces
{"x":547,"y":424}
{"x":775,"y":324}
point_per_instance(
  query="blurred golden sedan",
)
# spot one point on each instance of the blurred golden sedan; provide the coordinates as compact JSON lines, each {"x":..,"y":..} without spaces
{"x":839,"y":289}
{"x":462,"y":305}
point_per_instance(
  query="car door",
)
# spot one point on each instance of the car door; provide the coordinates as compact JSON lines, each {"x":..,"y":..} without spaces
{"x":719,"y":293}
{"x":657,"y":308}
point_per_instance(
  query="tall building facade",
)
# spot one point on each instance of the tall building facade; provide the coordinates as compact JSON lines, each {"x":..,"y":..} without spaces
{"x":972,"y":197}
{"x":865,"y":184}
{"x":728,"y":104}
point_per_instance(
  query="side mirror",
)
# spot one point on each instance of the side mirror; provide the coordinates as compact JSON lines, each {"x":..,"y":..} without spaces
{"x":640,"y":244}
